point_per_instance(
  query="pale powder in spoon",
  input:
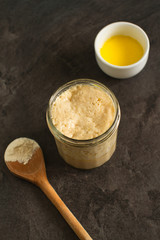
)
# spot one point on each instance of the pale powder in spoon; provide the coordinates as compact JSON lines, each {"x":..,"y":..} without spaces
{"x":21,"y":150}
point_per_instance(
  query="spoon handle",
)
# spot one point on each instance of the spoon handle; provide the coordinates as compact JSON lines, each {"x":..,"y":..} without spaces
{"x":64,"y":210}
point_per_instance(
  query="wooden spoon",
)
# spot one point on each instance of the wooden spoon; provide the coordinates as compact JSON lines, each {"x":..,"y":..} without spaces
{"x":35,"y":172}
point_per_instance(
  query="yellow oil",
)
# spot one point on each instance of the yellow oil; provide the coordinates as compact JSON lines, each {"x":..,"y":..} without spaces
{"x":121,"y":50}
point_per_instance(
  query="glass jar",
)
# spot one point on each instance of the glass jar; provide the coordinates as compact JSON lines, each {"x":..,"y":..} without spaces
{"x":85,"y":154}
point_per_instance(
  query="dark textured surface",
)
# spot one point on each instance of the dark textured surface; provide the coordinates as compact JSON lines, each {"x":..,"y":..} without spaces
{"x":44,"y":44}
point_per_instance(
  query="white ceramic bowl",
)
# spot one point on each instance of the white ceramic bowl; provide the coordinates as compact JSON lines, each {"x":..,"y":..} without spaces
{"x":121,"y":28}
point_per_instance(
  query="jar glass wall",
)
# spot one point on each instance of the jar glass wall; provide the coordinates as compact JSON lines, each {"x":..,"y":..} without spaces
{"x":91,"y":153}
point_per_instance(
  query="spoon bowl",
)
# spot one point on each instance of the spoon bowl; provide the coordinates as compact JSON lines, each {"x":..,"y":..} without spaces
{"x":32,"y":170}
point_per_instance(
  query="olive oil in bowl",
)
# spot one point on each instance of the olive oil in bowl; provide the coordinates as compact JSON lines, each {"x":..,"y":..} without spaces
{"x":121,"y":50}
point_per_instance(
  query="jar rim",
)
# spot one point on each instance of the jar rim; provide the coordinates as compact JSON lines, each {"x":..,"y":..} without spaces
{"x":87,"y":142}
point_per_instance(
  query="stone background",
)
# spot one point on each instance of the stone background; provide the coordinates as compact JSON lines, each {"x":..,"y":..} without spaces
{"x":44,"y":44}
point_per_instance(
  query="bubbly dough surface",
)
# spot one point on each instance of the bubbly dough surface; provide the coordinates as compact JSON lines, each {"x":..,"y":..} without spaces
{"x":83,"y":112}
